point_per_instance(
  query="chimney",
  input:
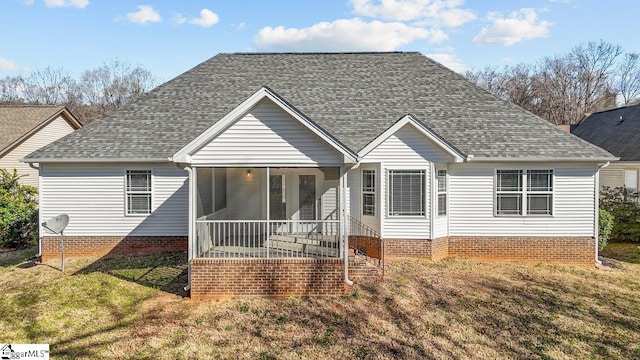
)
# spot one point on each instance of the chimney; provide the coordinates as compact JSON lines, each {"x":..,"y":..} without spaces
{"x":566,"y":128}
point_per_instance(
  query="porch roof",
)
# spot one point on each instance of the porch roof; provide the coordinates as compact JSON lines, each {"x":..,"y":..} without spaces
{"x":354,"y":97}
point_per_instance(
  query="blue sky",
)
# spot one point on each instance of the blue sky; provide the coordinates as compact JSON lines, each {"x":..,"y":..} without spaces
{"x":168,"y":37}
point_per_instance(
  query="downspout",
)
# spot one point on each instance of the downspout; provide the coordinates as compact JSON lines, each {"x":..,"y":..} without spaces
{"x":596,"y":220}
{"x":189,"y":170}
{"x":39,"y":254}
{"x":343,"y":213}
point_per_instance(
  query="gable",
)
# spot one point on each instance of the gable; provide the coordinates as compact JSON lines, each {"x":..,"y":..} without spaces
{"x":267,"y":135}
{"x":408,"y":146}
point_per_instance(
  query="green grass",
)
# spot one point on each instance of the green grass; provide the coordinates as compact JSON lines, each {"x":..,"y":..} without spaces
{"x":131,"y":308}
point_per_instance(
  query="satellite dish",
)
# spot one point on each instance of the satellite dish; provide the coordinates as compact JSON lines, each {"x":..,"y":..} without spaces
{"x":56,"y":224}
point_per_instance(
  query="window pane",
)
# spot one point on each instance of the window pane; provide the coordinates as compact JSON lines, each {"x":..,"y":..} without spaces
{"x":509,"y":204}
{"x":368,"y":180}
{"x":539,"y":180}
{"x":539,"y":204}
{"x":442,"y":180}
{"x":442,"y":204}
{"x":631,"y":179}
{"x":406,"y":195}
{"x":139,"y":203}
{"x":509,"y":180}
{"x":368,"y":204}
{"x":139,"y":180}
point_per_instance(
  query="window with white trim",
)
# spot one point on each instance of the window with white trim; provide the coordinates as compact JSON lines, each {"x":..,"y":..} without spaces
{"x":441,"y":179}
{"x":524,"y":192}
{"x":406,"y":192}
{"x":138,"y":192}
{"x":369,"y":192}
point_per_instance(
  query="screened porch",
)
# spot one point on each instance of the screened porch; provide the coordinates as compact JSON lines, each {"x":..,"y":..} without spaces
{"x":267,"y":212}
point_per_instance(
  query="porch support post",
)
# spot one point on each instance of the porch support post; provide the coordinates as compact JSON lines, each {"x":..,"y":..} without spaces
{"x":344,"y":240}
{"x":268,"y":239}
{"x":192,"y":213}
{"x":190,"y":232}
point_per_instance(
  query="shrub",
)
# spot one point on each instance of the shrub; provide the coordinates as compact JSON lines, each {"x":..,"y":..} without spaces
{"x":18,"y":211}
{"x":605,"y":226}
{"x":623,"y":205}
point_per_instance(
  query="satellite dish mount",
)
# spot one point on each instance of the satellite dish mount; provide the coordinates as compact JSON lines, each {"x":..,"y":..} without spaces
{"x":56,"y":225}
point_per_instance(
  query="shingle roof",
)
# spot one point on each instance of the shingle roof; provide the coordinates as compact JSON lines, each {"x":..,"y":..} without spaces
{"x":617,"y":131}
{"x":18,"y":120}
{"x":353,"y":96}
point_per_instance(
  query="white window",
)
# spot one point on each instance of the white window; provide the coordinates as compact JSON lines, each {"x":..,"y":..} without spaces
{"x":138,"y":192}
{"x":631,"y":180}
{"x":441,"y":178}
{"x":369,"y":192}
{"x":524,"y":192}
{"x":406,"y":193}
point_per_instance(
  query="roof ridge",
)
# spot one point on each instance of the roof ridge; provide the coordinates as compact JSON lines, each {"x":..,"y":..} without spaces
{"x":614,"y":109}
{"x":324,"y":53}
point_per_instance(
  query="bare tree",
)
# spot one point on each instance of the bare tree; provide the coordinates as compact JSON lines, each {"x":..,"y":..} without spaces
{"x":562,"y":88}
{"x":48,"y":86}
{"x":629,"y":78}
{"x":11,"y":90}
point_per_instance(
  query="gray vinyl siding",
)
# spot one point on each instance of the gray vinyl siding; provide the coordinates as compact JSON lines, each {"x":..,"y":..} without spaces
{"x":407,"y":149}
{"x":613,"y":175}
{"x":94,"y":198}
{"x":267,"y":135}
{"x":471,"y":189}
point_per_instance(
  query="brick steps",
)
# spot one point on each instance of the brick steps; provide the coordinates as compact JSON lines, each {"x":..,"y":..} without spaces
{"x":359,"y":268}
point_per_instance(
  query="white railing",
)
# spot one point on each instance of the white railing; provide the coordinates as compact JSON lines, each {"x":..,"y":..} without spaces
{"x":267,"y":239}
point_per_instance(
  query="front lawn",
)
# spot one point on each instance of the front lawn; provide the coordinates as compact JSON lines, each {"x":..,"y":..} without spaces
{"x":133,"y":308}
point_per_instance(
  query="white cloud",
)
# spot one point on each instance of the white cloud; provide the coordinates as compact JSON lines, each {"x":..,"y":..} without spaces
{"x":438,"y":13}
{"x":344,"y":35}
{"x":207,"y":19}
{"x":66,"y":3}
{"x":449,"y":60}
{"x":518,"y":26}
{"x":145,"y":14}
{"x":28,"y":2}
{"x":178,"y":19}
{"x":10,"y":65}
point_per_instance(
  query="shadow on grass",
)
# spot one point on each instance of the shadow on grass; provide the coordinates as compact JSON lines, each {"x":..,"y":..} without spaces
{"x":627,"y":252}
{"x":12,"y":257}
{"x":163,"y":271}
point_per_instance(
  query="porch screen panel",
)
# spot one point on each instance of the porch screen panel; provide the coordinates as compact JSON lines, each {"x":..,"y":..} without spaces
{"x":406,"y":193}
{"x":277,"y":202}
{"x":220,"y":194}
{"x":307,"y":203}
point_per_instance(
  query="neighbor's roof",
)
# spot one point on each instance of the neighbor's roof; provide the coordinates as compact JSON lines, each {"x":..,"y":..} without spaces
{"x":617,"y":131}
{"x":353,"y":96}
{"x":17,"y":122}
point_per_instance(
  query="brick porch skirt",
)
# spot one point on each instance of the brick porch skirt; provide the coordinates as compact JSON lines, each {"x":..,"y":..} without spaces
{"x":226,"y":278}
{"x":78,"y":246}
{"x":556,"y":250}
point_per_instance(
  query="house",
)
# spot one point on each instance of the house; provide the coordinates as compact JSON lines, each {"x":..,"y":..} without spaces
{"x":26,"y":128}
{"x":263,"y":167}
{"x":618,"y":132}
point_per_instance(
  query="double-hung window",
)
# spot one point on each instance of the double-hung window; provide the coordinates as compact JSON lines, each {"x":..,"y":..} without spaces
{"x":441,"y":178}
{"x":524,"y":192}
{"x":369,"y":192}
{"x":406,"y":192}
{"x":138,"y":192}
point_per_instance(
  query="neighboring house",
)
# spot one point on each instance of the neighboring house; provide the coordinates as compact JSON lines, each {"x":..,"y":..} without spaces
{"x":618,"y":132}
{"x":260,"y":165}
{"x":26,"y":128}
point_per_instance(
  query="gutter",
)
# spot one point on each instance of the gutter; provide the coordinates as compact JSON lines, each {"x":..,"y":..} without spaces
{"x":94,"y":160}
{"x":471,"y":158}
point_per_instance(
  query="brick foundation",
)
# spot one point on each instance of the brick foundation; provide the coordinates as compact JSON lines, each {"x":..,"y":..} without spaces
{"x":78,"y":246}
{"x":558,"y":250}
{"x":226,"y":278}
{"x":555,"y":250}
{"x":440,"y":248}
{"x":409,"y":248}
{"x":371,"y":246}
